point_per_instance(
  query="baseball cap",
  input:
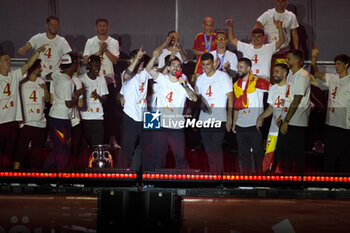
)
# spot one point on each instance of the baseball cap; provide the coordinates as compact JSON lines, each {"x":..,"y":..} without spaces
{"x":66,"y":59}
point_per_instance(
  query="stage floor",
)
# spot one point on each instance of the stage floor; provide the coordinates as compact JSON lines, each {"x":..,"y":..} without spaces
{"x":78,"y":213}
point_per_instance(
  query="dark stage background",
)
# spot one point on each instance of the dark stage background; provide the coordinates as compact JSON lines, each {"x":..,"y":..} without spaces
{"x":145,"y":23}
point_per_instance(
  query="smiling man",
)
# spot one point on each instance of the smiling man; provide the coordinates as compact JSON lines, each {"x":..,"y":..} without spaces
{"x":259,"y":53}
{"x":225,"y":60}
{"x":10,"y":107}
{"x":104,"y":46}
{"x":56,"y":47}
{"x":96,"y":92}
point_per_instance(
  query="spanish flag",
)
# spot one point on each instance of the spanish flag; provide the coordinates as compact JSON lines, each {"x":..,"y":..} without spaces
{"x":240,"y":94}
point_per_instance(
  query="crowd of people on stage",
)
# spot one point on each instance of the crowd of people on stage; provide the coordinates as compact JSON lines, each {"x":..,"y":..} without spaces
{"x":223,"y":94}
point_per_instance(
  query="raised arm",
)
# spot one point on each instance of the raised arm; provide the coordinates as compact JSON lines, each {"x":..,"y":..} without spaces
{"x":150,"y":65}
{"x":295,"y":38}
{"x":166,"y":42}
{"x":231,"y":36}
{"x":318,"y":74}
{"x":258,"y":25}
{"x":281,"y":38}
{"x":23,"y":50}
{"x":32,"y":59}
{"x":131,"y":67}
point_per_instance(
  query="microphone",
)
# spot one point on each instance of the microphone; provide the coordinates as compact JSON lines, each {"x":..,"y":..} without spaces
{"x":178,"y":74}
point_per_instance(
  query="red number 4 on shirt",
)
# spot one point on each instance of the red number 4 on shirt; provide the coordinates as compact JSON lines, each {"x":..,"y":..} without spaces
{"x":33,"y":96}
{"x":48,"y":53}
{"x":7,"y":90}
{"x":278,"y":102}
{"x":169,"y":97}
{"x":209,"y":92}
{"x":255,"y":58}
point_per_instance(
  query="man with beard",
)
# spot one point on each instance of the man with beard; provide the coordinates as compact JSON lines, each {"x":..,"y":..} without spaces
{"x":33,"y":95}
{"x":295,"y":117}
{"x":10,"y":107}
{"x":259,"y":53}
{"x":57,"y":46}
{"x":104,"y":46}
{"x":107,"y":48}
{"x":276,"y":103}
{"x":338,"y":113}
{"x":215,"y":88}
{"x":171,"y":46}
{"x":172,"y":93}
{"x":248,"y":105}
{"x":225,"y":60}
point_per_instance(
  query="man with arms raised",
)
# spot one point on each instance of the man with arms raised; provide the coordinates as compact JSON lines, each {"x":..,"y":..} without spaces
{"x":338,"y":113}
{"x":10,"y":107}
{"x":172,"y":94}
{"x":259,"y":53}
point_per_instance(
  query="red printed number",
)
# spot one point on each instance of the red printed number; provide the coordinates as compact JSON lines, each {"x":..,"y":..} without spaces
{"x":255,"y":58}
{"x":278,"y":102}
{"x":334,"y":92}
{"x":169,"y":97}
{"x":33,"y":96}
{"x":7,"y":90}
{"x":288,"y":91}
{"x":48,"y":53}
{"x":209,"y":92}
{"x":92,"y":96}
{"x":141,"y":87}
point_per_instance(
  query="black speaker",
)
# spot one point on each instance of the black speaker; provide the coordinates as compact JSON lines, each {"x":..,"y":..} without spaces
{"x":132,"y":211}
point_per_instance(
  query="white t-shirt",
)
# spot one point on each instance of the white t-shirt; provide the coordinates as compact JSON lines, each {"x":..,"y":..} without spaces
{"x":92,"y":46}
{"x":338,"y":112}
{"x":261,"y":58}
{"x":214,"y":89}
{"x":63,"y":88}
{"x":247,"y":117}
{"x":94,"y":106}
{"x":228,"y":57}
{"x":10,"y":109}
{"x":171,"y":98}
{"x":164,"y":53}
{"x":135,"y":92}
{"x":289,"y":22}
{"x":50,"y":59}
{"x":75,"y":119}
{"x":33,"y":103}
{"x":276,"y":100}
{"x":298,"y":84}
